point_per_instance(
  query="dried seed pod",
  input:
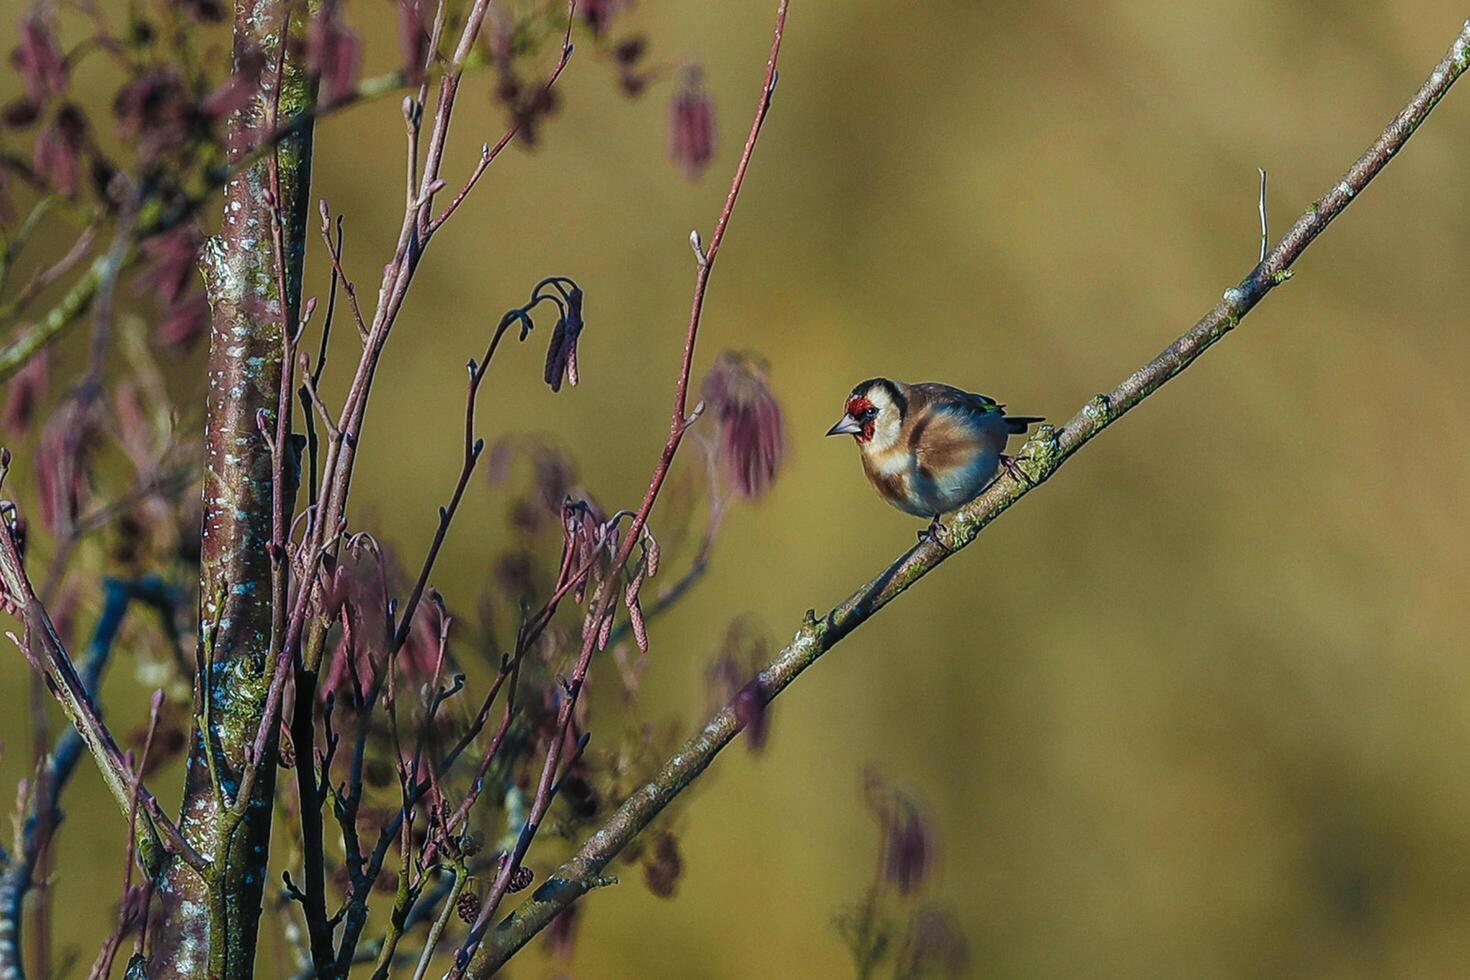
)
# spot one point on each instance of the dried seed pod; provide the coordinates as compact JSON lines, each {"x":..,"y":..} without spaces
{"x":522,"y":879}
{"x":468,"y":906}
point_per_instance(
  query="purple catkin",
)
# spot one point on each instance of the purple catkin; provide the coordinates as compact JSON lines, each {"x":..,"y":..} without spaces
{"x":24,"y":392}
{"x":334,"y":54}
{"x":413,"y":39}
{"x":183,"y":322}
{"x":692,"y":126}
{"x":38,"y":60}
{"x":751,"y":439}
{"x":172,"y":258}
{"x":56,"y":158}
{"x":908,"y":848}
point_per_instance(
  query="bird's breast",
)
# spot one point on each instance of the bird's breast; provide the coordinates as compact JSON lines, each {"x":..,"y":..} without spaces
{"x":892,"y":474}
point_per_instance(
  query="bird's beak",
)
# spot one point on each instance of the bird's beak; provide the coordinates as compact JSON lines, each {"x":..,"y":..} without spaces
{"x":846,"y":426}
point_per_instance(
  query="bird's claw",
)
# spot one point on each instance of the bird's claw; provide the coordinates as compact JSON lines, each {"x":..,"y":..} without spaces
{"x":932,"y":533}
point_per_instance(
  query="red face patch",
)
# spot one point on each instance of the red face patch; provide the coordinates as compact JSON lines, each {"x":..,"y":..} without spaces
{"x":864,"y":412}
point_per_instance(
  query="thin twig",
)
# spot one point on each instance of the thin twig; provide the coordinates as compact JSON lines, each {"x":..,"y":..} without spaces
{"x":488,"y":153}
{"x":129,"y":917}
{"x":1261,"y":206}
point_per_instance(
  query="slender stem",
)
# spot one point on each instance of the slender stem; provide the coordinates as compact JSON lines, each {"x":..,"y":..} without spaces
{"x":102,"y":967}
{"x":1042,"y":456}
{"x":472,"y":449}
{"x":314,"y":902}
{"x":437,"y":929}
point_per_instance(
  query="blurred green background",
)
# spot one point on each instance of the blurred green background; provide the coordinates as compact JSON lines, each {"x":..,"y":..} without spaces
{"x":1199,"y":707}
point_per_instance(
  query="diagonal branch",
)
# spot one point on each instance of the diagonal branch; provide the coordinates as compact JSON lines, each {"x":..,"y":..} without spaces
{"x":1041,"y":457}
{"x":157,"y":835}
{"x":43,"y":816}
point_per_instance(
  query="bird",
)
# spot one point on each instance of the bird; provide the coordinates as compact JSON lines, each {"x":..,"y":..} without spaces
{"x":929,"y":448}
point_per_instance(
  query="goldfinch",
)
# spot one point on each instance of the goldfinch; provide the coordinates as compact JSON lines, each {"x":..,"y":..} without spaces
{"x":928,"y":448}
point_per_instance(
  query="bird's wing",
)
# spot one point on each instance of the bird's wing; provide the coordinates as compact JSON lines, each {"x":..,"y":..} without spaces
{"x":954,"y":399}
{"x":949,"y":428}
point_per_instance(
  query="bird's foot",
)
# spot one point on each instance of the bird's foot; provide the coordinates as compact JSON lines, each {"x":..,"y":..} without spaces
{"x":1013,"y":467}
{"x":933,"y":533}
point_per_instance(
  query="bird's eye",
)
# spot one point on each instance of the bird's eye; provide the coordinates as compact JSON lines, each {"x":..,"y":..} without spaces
{"x":871,"y":413}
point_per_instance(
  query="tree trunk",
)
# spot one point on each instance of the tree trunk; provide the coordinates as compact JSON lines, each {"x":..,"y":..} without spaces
{"x":209,"y":927}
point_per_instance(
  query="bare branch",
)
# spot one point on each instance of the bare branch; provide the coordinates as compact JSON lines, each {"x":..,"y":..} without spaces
{"x":488,"y":153}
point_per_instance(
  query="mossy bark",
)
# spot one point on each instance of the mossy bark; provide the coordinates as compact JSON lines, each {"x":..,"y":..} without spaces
{"x":209,"y":927}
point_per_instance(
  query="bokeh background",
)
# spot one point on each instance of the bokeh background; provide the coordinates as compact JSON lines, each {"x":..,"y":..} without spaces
{"x":1200,"y":706}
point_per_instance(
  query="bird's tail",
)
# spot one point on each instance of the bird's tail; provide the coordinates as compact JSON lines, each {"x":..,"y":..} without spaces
{"x":1016,"y":424}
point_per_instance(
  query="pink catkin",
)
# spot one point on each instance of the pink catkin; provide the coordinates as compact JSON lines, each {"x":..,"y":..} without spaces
{"x":752,"y":442}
